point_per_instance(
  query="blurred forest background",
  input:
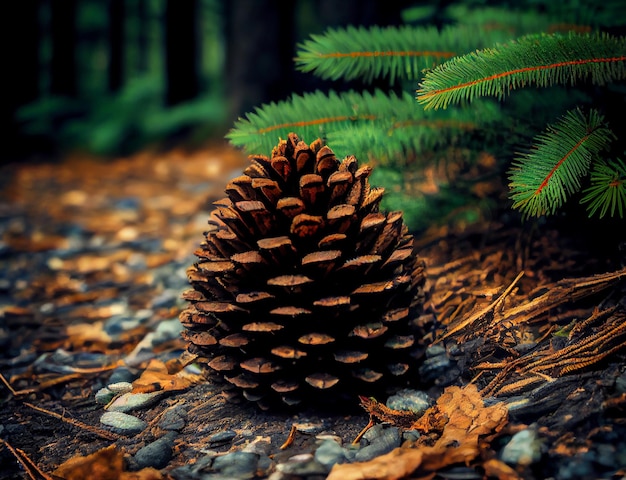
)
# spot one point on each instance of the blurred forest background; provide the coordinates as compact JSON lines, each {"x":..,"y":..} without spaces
{"x":109,"y":77}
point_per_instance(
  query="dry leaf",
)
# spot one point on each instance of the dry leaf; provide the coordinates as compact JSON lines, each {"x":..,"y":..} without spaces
{"x":105,"y":464}
{"x":457,"y":429}
{"x":92,"y":334}
{"x":157,"y":378}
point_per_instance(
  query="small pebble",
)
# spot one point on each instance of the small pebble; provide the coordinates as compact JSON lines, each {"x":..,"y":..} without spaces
{"x":123,"y":423}
{"x":221,"y":438}
{"x":329,"y":453}
{"x":122,"y":374}
{"x":410,"y":435}
{"x":174,"y":418}
{"x":120,"y":387}
{"x":239,"y":465}
{"x":156,"y":454}
{"x":380,"y":444}
{"x":133,"y":401}
{"x":411,"y":400}
{"x":104,"y":396}
{"x":302,"y":465}
{"x":524,"y":448}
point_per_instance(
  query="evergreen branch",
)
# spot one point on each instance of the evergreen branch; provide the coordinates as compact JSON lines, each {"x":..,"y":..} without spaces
{"x":391,"y":52}
{"x":539,"y":60}
{"x":541,"y":180}
{"x":379,"y":125}
{"x":607,"y":190}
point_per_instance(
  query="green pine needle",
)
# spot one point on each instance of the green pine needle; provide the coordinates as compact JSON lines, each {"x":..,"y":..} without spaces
{"x":607,"y":190}
{"x":391,"y":52}
{"x":542,"y":180}
{"x":375,"y":125}
{"x":534,"y":60}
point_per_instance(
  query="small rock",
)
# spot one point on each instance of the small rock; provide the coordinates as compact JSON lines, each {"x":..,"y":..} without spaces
{"x":221,"y":438}
{"x":174,"y":418}
{"x":240,"y":465}
{"x":123,"y":423}
{"x":167,"y":298}
{"x":524,"y":448}
{"x":133,"y":401}
{"x":620,"y":383}
{"x":122,"y":374}
{"x":329,"y":453}
{"x":104,"y":396}
{"x":410,"y":435}
{"x":120,"y":387}
{"x":411,"y":400}
{"x":156,"y":454}
{"x":302,"y":465}
{"x":380,"y":444}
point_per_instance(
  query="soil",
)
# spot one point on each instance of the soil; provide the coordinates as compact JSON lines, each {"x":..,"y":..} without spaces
{"x":91,"y":243}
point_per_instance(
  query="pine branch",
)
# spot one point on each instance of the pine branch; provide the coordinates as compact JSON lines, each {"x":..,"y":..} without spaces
{"x":391,"y":52}
{"x":379,"y":125}
{"x":542,"y":180}
{"x":607,"y":190}
{"x":533,"y":60}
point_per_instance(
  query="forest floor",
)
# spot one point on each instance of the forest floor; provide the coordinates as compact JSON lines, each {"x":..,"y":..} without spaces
{"x":92,"y":264}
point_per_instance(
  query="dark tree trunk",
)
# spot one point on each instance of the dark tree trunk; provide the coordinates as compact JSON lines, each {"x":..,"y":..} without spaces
{"x":181,"y":50}
{"x":19,"y":47}
{"x":63,"y":63}
{"x":116,"y":44}
{"x":259,"y":52}
{"x":142,"y":37}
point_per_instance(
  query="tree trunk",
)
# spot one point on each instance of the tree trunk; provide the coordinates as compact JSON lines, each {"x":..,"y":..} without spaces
{"x":259,"y":52}
{"x":63,"y":62}
{"x":19,"y":48}
{"x":116,"y":44}
{"x":181,"y":50}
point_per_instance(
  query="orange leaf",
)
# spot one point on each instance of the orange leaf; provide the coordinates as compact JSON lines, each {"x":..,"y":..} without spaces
{"x":156,"y":378}
{"x":105,"y":464}
{"x":462,"y":426}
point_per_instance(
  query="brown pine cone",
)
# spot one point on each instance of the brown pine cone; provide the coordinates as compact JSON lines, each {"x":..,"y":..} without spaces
{"x":303,"y":290}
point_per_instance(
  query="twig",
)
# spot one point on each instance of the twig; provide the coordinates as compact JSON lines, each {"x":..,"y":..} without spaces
{"x":369,"y":425}
{"x":29,"y":466}
{"x":290,"y":437}
{"x":484,"y":311}
{"x":8,"y":385}
{"x":95,"y":430}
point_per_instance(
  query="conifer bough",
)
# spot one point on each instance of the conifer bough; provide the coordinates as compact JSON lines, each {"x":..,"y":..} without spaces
{"x":303,"y":288}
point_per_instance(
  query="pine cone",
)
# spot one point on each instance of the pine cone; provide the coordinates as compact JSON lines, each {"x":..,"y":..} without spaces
{"x":303,"y":288}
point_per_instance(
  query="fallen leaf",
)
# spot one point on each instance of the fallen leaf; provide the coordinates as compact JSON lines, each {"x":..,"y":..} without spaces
{"x":156,"y":377}
{"x":105,"y":464}
{"x":457,"y":429}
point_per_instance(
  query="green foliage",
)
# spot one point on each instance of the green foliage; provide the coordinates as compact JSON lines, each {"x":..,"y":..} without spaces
{"x":534,"y":60}
{"x":542,"y":180}
{"x":118,"y":123}
{"x":543,"y":63}
{"x":381,"y":126}
{"x":608,"y":188}
{"x":392,"y":52}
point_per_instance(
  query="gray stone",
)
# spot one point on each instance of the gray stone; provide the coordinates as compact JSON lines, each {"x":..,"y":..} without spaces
{"x":329,"y":453}
{"x":156,"y":454}
{"x":104,"y":396}
{"x":411,"y":400}
{"x":379,"y":445}
{"x":173,"y":418}
{"x":524,"y":448}
{"x":120,"y":387}
{"x":302,"y":465}
{"x":123,"y":423}
{"x":122,"y":374}
{"x":134,"y":401}
{"x":239,"y":465}
{"x":221,"y":438}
